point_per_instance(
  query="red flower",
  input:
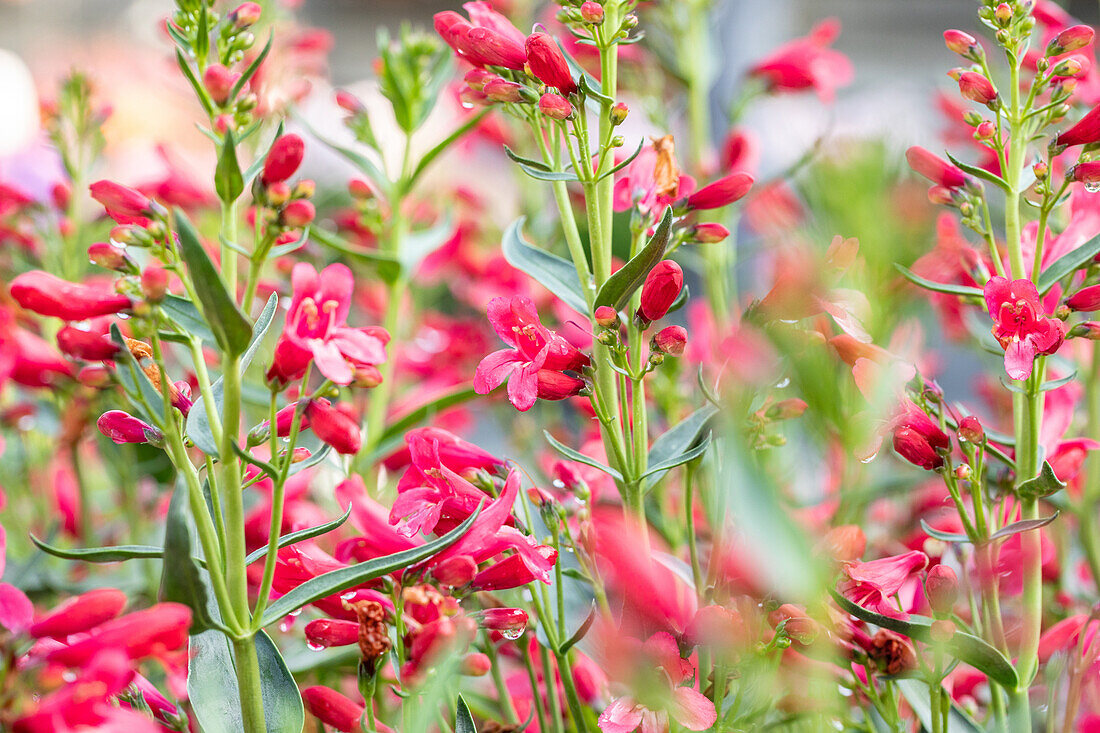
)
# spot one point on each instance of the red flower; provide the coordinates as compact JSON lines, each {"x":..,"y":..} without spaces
{"x":1020,"y":326}
{"x":722,"y":192}
{"x":121,"y":427}
{"x":807,"y":63}
{"x":335,"y":425}
{"x":1087,"y":130}
{"x":874,"y":584}
{"x":332,"y":708}
{"x":934,"y":168}
{"x":977,"y":88}
{"x":537,"y":354}
{"x":80,"y":614}
{"x":661,"y":288}
{"x":488,"y":39}
{"x":123,"y":204}
{"x":48,"y":295}
{"x":548,"y":63}
{"x":283,"y":159}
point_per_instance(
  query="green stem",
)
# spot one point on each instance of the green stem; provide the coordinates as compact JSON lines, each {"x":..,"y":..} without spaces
{"x":228,"y":254}
{"x":247,"y":667}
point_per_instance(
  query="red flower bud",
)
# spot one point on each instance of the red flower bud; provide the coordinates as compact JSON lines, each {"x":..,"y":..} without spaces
{"x":48,"y":295}
{"x":592,"y":12}
{"x":476,"y":664}
{"x":478,"y":78}
{"x":554,"y":385}
{"x":970,"y":430}
{"x":455,"y":571}
{"x":511,"y":622}
{"x":349,"y":102}
{"x":722,"y":192}
{"x":1087,"y":173}
{"x":485,"y":46}
{"x":80,"y":614}
{"x":661,"y":288}
{"x":155,"y":630}
{"x":108,"y":256}
{"x":245,"y":15}
{"x":942,"y":589}
{"x":298,"y":213}
{"x":500,"y":90}
{"x":671,"y":340}
{"x":122,"y":428}
{"x":915,"y":448}
{"x":709,"y":232}
{"x":1085,"y":299}
{"x":786,"y":409}
{"x":219,"y":82}
{"x":1088,"y":330}
{"x":335,"y":425}
{"x":960,"y":42}
{"x":332,"y":708}
{"x":1086,"y":131}
{"x":606,"y":316}
{"x":85,"y":345}
{"x":548,"y":63}
{"x":326,"y":632}
{"x":977,"y":88}
{"x":555,"y":106}
{"x":283,"y":159}
{"x":1070,"y":39}
{"x":935,"y":168}
{"x":154,"y":283}
{"x":123,"y":204}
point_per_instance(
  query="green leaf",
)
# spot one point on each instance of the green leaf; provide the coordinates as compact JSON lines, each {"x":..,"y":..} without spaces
{"x":678,"y":439}
{"x":303,"y":534}
{"x":581,"y":631}
{"x":941,"y":535}
{"x":198,"y":422}
{"x":219,"y":308}
{"x":185,"y":315}
{"x":674,"y":461}
{"x":464,"y":721}
{"x":182,"y":580}
{"x":418,"y":245}
{"x":579,"y":457}
{"x":552,"y":272}
{"x":252,"y":68}
{"x":200,"y":90}
{"x":352,"y":575}
{"x":918,"y":696}
{"x":529,"y":162}
{"x":1056,"y":383}
{"x":625,"y":163}
{"x":228,"y":182}
{"x":965,"y":291}
{"x":979,"y":172}
{"x":543,"y":175}
{"x":963,"y":646}
{"x":212,"y":686}
{"x":1068,"y":263}
{"x":118,"y":553}
{"x":618,"y":288}
{"x":1045,"y":484}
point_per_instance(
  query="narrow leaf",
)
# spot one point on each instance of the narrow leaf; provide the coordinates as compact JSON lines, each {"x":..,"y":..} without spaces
{"x":979,"y":172}
{"x":187,"y":317}
{"x":182,"y":580}
{"x":918,"y":696}
{"x":344,"y":578}
{"x":228,"y":182}
{"x":1025,"y":525}
{"x":552,"y":272}
{"x":303,"y":534}
{"x":252,"y":68}
{"x":118,"y":553}
{"x":961,"y":290}
{"x":1045,"y":484}
{"x":529,"y":162}
{"x":674,"y":461}
{"x":941,"y":535}
{"x":679,"y":438}
{"x":579,"y":457}
{"x":1068,"y":263}
{"x":618,"y":288}
{"x":464,"y":721}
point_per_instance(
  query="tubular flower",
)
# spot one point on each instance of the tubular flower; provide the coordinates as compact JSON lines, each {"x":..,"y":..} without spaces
{"x":283,"y":159}
{"x":487,"y":39}
{"x":548,"y":63}
{"x":874,"y":584}
{"x":661,"y":288}
{"x":333,"y":708}
{"x":122,"y":427}
{"x":1087,"y":130}
{"x":977,"y":88}
{"x":934,"y":168}
{"x":48,"y":295}
{"x":918,"y":438}
{"x":533,"y":366}
{"x":335,"y":425}
{"x":722,"y":192}
{"x":124,"y":204}
{"x":1020,"y":326}
{"x":316,"y":328}
{"x":807,"y":63}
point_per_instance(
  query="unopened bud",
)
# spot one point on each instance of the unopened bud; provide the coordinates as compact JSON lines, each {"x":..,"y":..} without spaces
{"x":671,"y":340}
{"x":245,"y":15}
{"x":970,"y":430}
{"x":1088,"y":330}
{"x":555,"y":106}
{"x":501,"y":90}
{"x":1070,"y":39}
{"x":606,"y":316}
{"x":592,"y":12}
{"x":298,"y":213}
{"x":154,"y":283}
{"x":942,"y":630}
{"x":618,"y":113}
{"x":973,"y":117}
{"x":1040,"y":170}
{"x":1072,"y":66}
{"x":108,"y":256}
{"x":304,"y":189}
{"x":962,"y":43}
{"x":786,"y":409}
{"x":360,"y":189}
{"x":1003,"y":13}
{"x":278,"y":194}
{"x":985,"y":131}
{"x":962,"y":472}
{"x":618,"y":141}
{"x":218,"y":82}
{"x":942,"y":589}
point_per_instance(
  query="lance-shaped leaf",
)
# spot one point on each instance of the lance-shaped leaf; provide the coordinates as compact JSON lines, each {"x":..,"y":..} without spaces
{"x":252,"y":68}
{"x":1067,"y":263}
{"x":575,"y":455}
{"x":618,"y":288}
{"x":963,"y":646}
{"x":219,"y":308}
{"x":118,"y":553}
{"x":552,"y":272}
{"x":228,"y":181}
{"x":677,"y":440}
{"x":182,"y":580}
{"x":187,"y":317}
{"x":198,"y":421}
{"x":300,"y":536}
{"x":212,"y":686}
{"x":464,"y":721}
{"x":916,"y":693}
{"x":980,"y":172}
{"x":941,"y":535}
{"x":965,"y":291}
{"x":678,"y":460}
{"x":352,"y":575}
{"x":1045,"y":484}
{"x":1024,"y":525}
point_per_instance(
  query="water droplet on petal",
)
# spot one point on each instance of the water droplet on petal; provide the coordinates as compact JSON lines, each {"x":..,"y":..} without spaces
{"x":315,"y":646}
{"x":1092,"y":186}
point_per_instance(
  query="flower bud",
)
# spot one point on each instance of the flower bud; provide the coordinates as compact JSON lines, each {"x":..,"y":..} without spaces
{"x":1087,"y":173}
{"x":942,"y":589}
{"x":298,"y":213}
{"x":79,"y":614}
{"x":1085,"y":299}
{"x":963,"y":472}
{"x":511,"y":622}
{"x":123,"y":204}
{"x":1070,"y":39}
{"x":934,"y":168}
{"x":548,"y":63}
{"x":985,"y":131}
{"x":554,"y":385}
{"x":333,"y":708}
{"x":360,"y":189}
{"x":304,"y":189}
{"x":786,"y":409}
{"x":85,"y":345}
{"x":335,"y":426}
{"x":606,"y":317}
{"x":970,"y":430}
{"x":122,"y":428}
{"x":915,"y":448}
{"x":722,"y":192}
{"x":977,"y":88}
{"x":110,"y":257}
{"x":1041,"y":170}
{"x":671,"y":340}
{"x":618,"y":113}
{"x":478,"y":78}
{"x":455,"y":571}
{"x":1003,"y":13}
{"x":277,"y":194}
{"x":366,"y":376}
{"x":218,"y":82}
{"x":961,"y":43}
{"x":329,"y":632}
{"x":154,"y":283}
{"x":1088,"y":330}
{"x":476,"y":664}
{"x":1073,"y":66}
{"x":47,"y":295}
{"x":283,"y":159}
{"x":661,"y":288}
{"x":941,"y":195}
{"x":709,"y":232}
{"x":555,"y":106}
{"x":349,"y":102}
{"x":501,"y":90}
{"x":592,"y":12}
{"x":245,"y":15}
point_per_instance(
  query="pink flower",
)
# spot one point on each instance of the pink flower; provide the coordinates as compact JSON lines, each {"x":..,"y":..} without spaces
{"x":48,"y":295}
{"x":1020,"y":326}
{"x":807,"y":63}
{"x":1087,"y":130}
{"x":874,"y":584}
{"x":686,"y":705}
{"x":538,"y":355}
{"x":934,"y":168}
{"x":123,"y":204}
{"x":316,"y":328}
{"x":122,"y":427}
{"x":488,"y":39}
